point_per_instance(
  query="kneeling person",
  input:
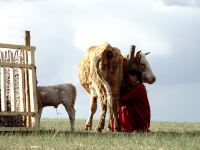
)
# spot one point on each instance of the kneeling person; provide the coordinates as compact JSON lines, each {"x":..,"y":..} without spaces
{"x":134,"y":111}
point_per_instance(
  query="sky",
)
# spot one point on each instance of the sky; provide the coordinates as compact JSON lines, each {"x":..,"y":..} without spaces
{"x":63,"y":30}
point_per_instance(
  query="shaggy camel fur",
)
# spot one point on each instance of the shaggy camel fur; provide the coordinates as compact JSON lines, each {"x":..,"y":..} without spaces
{"x":101,"y":73}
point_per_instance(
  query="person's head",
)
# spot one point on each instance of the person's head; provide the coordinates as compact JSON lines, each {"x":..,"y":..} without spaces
{"x":134,"y":75}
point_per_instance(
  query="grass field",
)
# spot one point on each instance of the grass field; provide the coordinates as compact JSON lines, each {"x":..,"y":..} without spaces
{"x":55,"y":134}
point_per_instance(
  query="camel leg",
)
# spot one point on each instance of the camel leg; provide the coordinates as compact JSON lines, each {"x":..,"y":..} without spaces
{"x":93,"y":109}
{"x":115,"y":114}
{"x":71,"y":113}
{"x":102,"y":116}
{"x":39,"y":115}
{"x":110,"y":116}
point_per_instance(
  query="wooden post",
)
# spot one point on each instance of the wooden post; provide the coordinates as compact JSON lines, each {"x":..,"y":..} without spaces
{"x":27,"y":38}
{"x":21,"y":83}
{"x":3,"y":85}
{"x":33,"y":89}
{"x":27,"y":95}
{"x":12,"y":83}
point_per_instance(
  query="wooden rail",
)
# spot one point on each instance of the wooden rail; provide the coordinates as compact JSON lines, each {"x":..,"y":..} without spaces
{"x":22,"y":47}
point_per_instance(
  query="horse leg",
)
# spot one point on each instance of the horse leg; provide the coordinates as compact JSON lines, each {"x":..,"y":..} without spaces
{"x":93,"y":109}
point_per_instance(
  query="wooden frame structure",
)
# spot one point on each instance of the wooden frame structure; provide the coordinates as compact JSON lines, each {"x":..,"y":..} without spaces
{"x":18,"y":93}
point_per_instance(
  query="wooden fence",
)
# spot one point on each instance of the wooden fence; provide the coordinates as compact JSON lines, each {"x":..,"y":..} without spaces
{"x":18,"y":93}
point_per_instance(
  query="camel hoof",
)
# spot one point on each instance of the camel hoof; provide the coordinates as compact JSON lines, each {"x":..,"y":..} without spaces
{"x":88,"y":128}
{"x":72,"y":130}
{"x":99,"y":130}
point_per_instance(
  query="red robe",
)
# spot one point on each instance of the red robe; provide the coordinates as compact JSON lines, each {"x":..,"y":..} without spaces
{"x":134,"y":111}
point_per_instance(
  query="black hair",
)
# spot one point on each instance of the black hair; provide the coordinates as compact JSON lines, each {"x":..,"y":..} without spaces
{"x":137,"y":73}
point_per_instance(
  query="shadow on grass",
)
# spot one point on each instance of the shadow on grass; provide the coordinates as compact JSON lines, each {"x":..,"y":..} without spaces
{"x":54,"y":132}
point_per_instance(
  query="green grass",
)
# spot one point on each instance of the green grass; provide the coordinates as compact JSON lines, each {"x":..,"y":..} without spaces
{"x":55,"y":134}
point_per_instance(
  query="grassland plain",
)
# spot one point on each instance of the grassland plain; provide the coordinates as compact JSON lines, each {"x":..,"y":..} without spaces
{"x":55,"y":134}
